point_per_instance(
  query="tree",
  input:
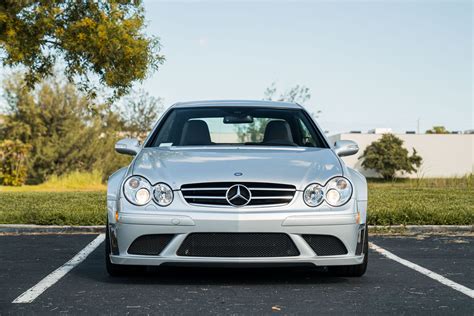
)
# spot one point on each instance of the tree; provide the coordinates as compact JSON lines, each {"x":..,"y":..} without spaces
{"x":387,"y":156}
{"x":102,"y":39}
{"x":437,"y":130}
{"x":66,"y":130}
{"x":13,"y":169}
{"x":297,"y":94}
{"x":253,"y":132}
{"x":139,"y":112}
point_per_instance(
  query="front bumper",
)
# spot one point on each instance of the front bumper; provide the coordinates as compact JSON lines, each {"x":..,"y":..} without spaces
{"x":345,"y":224}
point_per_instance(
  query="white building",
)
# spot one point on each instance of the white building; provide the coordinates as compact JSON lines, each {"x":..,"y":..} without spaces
{"x":444,"y":155}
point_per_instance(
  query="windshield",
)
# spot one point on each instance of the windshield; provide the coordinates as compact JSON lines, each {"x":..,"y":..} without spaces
{"x":236,"y":126}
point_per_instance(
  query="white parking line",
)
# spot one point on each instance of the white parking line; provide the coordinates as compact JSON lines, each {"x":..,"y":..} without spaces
{"x":32,"y":293}
{"x":435,"y":276}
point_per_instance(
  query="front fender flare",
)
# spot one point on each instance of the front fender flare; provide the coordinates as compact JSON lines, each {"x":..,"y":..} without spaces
{"x":361,"y":192}
{"x":113,"y":193}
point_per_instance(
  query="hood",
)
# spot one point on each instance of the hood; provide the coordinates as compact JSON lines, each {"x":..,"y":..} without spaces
{"x":182,"y":165}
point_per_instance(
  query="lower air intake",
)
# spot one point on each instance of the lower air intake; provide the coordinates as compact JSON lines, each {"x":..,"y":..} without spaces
{"x":150,"y":245}
{"x":238,"y":245}
{"x":325,"y":245}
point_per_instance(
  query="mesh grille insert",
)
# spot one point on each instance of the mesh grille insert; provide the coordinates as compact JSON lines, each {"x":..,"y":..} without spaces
{"x":150,"y":245}
{"x":325,"y":245}
{"x":238,"y":245}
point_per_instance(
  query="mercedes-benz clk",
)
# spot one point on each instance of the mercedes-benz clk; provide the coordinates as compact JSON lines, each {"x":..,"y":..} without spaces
{"x":237,"y":183}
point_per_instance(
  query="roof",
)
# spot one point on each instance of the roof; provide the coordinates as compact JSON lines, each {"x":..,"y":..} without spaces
{"x":260,"y":103}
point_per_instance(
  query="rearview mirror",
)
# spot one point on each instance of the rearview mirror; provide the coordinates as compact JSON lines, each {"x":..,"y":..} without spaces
{"x":128,"y":146}
{"x":346,"y":148}
{"x":233,"y":119}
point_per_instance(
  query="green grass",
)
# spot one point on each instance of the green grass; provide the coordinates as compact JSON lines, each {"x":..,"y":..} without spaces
{"x":53,"y":208}
{"x":437,"y":201}
{"x":408,"y":202}
{"x":465,"y":182}
{"x":74,"y":181}
{"x":390,"y":205}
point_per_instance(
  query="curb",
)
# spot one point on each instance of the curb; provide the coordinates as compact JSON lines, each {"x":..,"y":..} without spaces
{"x":422,"y":229}
{"x":49,"y":229}
{"x":395,"y":229}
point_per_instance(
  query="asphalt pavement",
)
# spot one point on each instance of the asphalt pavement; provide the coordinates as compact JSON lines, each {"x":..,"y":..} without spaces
{"x":388,"y":287}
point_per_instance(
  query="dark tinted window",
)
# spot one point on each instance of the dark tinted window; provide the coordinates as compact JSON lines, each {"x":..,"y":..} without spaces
{"x":236,"y":126}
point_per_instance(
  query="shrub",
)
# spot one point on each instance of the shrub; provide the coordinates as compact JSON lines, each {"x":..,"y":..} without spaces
{"x":67,"y":131}
{"x":387,"y":156}
{"x":13,"y":168}
{"x":437,"y":130}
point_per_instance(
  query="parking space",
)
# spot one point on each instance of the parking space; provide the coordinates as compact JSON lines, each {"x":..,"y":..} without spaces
{"x":450,"y":256}
{"x":388,"y":286}
{"x":26,"y":259}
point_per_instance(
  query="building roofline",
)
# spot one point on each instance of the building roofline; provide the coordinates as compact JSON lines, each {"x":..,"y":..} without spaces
{"x":401,"y":134}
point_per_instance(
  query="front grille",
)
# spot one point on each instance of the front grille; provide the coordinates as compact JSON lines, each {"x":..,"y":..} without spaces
{"x":150,"y":245}
{"x":262,"y":194}
{"x":325,"y":245}
{"x":238,"y":245}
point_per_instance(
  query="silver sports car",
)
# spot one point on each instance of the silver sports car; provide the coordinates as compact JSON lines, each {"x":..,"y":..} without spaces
{"x":237,"y":182}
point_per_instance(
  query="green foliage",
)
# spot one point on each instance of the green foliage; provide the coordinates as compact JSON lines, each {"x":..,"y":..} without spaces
{"x":139,"y":112}
{"x":252,"y":132}
{"x":104,"y":38}
{"x":80,"y":181}
{"x":437,"y":130}
{"x":66,"y":130}
{"x":70,"y":182}
{"x":297,"y":94}
{"x":465,"y":182}
{"x":13,"y":167}
{"x":53,"y":208}
{"x":387,"y":156}
{"x":405,"y":205}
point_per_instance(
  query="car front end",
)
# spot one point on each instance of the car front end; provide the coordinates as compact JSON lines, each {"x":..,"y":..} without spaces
{"x":237,"y":204}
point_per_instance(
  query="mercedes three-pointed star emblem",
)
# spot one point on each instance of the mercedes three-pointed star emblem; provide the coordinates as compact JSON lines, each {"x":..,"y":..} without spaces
{"x":238,"y":195}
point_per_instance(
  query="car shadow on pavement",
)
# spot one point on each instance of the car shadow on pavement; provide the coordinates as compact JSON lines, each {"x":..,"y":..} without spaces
{"x":94,"y":269}
{"x":216,"y":275}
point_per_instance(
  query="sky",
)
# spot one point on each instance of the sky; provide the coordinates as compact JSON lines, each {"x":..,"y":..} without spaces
{"x":368,"y":64}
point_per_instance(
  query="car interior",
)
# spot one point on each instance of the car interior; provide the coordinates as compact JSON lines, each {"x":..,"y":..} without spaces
{"x":257,"y":127}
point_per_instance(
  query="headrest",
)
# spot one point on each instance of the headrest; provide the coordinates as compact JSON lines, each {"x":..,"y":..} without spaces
{"x":195,"y":132}
{"x":278,"y":131}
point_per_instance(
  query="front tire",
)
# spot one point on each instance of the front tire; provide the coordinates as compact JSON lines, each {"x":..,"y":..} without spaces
{"x":357,"y":270}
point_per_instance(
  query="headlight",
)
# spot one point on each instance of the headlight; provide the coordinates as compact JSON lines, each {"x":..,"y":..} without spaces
{"x":163,"y":194}
{"x":338,"y":191}
{"x":313,"y":195}
{"x":137,"y":190}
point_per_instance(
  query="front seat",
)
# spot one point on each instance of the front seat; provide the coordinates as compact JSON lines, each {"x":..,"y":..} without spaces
{"x":278,"y":132}
{"x":195,"y":132}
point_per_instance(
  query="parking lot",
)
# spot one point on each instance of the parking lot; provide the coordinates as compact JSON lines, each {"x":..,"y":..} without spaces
{"x":389,"y":286}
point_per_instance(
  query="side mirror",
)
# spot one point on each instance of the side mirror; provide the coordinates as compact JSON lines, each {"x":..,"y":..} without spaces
{"x":346,"y":148}
{"x":128,"y":146}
